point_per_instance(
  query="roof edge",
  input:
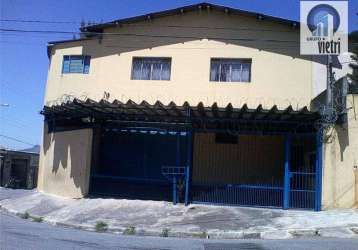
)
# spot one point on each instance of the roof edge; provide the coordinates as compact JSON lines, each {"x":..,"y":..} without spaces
{"x":67,"y":41}
{"x":183,"y":9}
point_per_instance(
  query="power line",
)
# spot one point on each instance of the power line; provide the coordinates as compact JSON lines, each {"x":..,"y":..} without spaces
{"x":143,"y":35}
{"x":114,"y":45}
{"x":23,"y":44}
{"x":40,"y":43}
{"x":18,"y":125}
{"x":13,"y":119}
{"x":24,"y":92}
{"x":25,"y":98}
{"x":42,"y":31}
{"x":11,"y":35}
{"x":42,"y":21}
{"x":143,"y":25}
{"x":197,"y":48}
{"x":209,"y":28}
{"x":17,"y":140}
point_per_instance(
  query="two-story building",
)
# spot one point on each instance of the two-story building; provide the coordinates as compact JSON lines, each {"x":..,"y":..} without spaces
{"x":199,"y":104}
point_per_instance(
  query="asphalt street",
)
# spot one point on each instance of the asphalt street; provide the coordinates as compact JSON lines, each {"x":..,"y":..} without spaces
{"x":17,"y":233}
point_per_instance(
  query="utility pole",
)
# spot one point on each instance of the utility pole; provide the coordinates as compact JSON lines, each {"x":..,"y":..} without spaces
{"x":330,"y":113}
{"x":329,"y":92}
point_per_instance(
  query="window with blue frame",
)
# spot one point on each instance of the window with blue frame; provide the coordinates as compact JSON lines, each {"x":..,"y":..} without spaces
{"x":76,"y":64}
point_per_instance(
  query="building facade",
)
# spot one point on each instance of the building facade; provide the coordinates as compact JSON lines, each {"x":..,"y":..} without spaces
{"x":203,"y":104}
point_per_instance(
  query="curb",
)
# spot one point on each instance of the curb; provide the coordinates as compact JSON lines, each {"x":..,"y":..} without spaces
{"x":344,"y":232}
{"x":297,"y":233}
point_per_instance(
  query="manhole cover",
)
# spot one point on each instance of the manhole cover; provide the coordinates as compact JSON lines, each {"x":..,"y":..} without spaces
{"x":233,"y":246}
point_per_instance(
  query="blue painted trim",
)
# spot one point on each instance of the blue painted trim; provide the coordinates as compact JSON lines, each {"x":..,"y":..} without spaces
{"x":189,"y":166}
{"x":187,"y":174}
{"x":240,"y":186}
{"x":177,"y":160}
{"x":249,"y":132}
{"x":303,"y":190}
{"x":286,"y":190}
{"x":232,"y":205}
{"x":175,"y":198}
{"x":174,"y":190}
{"x":319,"y":151}
{"x":302,"y":173}
{"x":119,"y":178}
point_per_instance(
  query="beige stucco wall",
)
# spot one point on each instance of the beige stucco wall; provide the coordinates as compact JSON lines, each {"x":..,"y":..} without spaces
{"x":279,"y":74}
{"x":65,"y":160}
{"x":340,"y":178}
{"x":253,"y":158}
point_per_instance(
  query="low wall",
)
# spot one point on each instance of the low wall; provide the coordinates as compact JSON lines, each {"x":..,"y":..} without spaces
{"x":65,"y":161}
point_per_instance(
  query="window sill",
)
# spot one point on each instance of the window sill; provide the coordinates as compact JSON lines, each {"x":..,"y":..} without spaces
{"x":219,"y":82}
{"x":143,"y":80}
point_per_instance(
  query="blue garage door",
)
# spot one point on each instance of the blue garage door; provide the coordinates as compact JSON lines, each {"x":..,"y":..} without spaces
{"x":131,"y":161}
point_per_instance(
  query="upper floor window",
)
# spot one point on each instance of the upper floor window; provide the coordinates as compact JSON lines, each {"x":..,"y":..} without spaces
{"x":76,"y":64}
{"x":230,"y":70}
{"x":151,"y":68}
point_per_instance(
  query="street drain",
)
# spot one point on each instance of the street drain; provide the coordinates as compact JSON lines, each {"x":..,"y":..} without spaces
{"x":234,"y":246}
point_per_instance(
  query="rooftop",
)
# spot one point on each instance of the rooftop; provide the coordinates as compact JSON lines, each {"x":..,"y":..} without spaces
{"x":93,"y":30}
{"x":185,"y":9}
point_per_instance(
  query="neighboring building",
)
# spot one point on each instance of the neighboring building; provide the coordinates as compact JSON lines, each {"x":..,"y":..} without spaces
{"x":35,"y":149}
{"x":202,"y":104}
{"x":18,"y":169}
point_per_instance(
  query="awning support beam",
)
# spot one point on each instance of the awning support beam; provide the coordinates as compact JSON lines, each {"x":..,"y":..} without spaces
{"x":287,"y":176}
{"x":318,"y":187}
{"x":188,"y":166}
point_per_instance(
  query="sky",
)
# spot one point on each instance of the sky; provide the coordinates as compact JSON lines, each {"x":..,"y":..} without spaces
{"x":23,"y":57}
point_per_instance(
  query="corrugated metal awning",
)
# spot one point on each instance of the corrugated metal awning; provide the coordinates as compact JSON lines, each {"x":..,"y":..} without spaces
{"x":173,"y":112}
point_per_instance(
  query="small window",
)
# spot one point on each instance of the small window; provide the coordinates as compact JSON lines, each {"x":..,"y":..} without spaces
{"x":230,"y":70}
{"x":222,"y":138}
{"x":76,"y":64}
{"x":146,"y":68}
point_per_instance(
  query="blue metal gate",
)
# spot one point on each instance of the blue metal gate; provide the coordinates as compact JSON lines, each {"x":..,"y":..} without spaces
{"x":280,"y":171}
{"x":303,"y":172}
{"x":242,"y":170}
{"x":296,"y":182}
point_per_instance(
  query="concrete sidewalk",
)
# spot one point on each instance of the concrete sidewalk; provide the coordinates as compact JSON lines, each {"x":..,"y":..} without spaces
{"x":164,"y":219}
